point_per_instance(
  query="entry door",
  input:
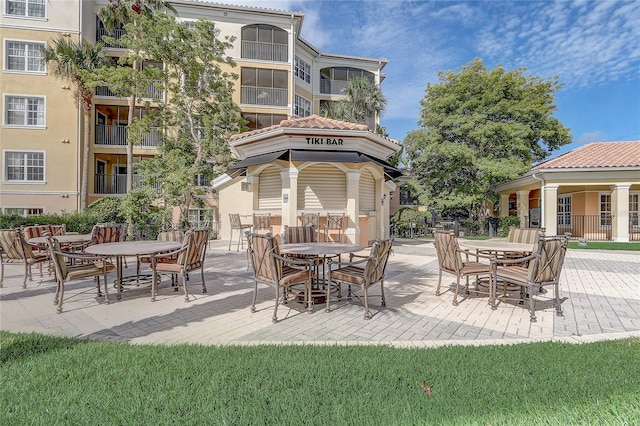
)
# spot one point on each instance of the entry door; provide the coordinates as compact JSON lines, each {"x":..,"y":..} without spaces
{"x":101,"y":177}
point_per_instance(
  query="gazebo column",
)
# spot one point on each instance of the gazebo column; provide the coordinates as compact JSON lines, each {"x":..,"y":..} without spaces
{"x":523,"y":208}
{"x":289,"y":196}
{"x":253,"y":182}
{"x":550,"y":213}
{"x":353,"y":205}
{"x":504,"y":205}
{"x":620,"y":212}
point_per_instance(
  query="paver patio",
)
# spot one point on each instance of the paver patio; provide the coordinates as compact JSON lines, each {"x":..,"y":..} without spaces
{"x":600,"y":292}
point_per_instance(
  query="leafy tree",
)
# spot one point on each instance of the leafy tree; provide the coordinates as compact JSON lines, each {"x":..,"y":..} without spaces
{"x":201,"y":114}
{"x":130,"y":81}
{"x":75,"y":61}
{"x":364,"y":101}
{"x":480,"y":128}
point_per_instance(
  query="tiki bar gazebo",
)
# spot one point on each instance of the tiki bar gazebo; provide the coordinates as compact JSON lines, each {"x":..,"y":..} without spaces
{"x":311,"y":165}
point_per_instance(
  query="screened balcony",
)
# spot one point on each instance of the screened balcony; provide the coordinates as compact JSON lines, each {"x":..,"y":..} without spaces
{"x":265,"y":96}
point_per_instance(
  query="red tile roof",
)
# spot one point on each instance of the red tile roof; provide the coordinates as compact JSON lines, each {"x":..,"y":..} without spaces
{"x":597,"y":155}
{"x":311,"y":122}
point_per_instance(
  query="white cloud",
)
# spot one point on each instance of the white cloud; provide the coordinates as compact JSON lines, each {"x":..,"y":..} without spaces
{"x":590,"y":137}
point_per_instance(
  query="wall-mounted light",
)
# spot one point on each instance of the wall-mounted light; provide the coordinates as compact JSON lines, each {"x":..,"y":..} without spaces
{"x":67,"y":87}
{"x":66,"y":34}
{"x":64,"y":195}
{"x":384,"y":197}
{"x":65,"y":141}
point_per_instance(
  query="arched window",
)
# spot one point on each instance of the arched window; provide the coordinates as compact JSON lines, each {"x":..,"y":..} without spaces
{"x":265,"y":42}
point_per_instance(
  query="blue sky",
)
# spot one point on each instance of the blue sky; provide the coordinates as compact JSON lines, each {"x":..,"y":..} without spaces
{"x":592,"y":46}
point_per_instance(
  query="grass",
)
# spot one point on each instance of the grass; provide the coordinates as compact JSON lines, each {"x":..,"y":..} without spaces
{"x":50,"y":380}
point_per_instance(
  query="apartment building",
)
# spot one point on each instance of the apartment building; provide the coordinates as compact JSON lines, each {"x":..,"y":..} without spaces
{"x":281,"y":75}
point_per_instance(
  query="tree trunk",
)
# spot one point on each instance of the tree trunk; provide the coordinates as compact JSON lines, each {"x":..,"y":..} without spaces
{"x":85,"y":160}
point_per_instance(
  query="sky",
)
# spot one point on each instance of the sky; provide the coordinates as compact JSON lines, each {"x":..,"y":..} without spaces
{"x":592,"y":46}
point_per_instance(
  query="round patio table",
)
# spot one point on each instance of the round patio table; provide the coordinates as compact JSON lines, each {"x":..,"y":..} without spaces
{"x":318,"y":251}
{"x":131,"y":248}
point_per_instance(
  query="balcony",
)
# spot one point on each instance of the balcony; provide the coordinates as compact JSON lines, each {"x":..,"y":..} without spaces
{"x":264,"y":96}
{"x":265,"y":51}
{"x":150,"y":93}
{"x":333,"y":87}
{"x":111,"y":184}
{"x":114,"y":135}
{"x":116,"y":34}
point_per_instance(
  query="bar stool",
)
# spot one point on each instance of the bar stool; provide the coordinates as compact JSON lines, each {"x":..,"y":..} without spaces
{"x":262,"y":222}
{"x":234,"y":219}
{"x":311,"y":219}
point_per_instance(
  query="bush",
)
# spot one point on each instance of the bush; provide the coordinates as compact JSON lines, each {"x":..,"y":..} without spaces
{"x":406,"y":219}
{"x":108,"y":208}
{"x":507,"y":222}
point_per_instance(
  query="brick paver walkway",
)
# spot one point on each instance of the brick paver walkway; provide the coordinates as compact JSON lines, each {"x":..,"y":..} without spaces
{"x":600,"y":292}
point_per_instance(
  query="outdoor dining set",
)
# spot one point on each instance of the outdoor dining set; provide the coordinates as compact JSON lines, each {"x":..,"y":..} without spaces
{"x":306,"y":266}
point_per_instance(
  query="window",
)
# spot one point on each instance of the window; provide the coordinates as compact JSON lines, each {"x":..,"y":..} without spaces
{"x":605,"y":210}
{"x":634,"y":209}
{"x":260,"y":121}
{"x":303,"y":107}
{"x":261,"y":86}
{"x":202,"y":218}
{"x":24,"y":211}
{"x":335,"y":80}
{"x":564,"y":211}
{"x":24,"y":56}
{"x":303,"y":70}
{"x":28,"y":8}
{"x":25,"y":166}
{"x":265,"y":42}
{"x":24,"y":111}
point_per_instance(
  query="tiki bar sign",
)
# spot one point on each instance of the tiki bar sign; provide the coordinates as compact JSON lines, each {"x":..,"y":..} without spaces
{"x":325,"y":141}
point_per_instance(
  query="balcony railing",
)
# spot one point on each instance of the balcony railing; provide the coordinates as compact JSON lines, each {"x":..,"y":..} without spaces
{"x":116,"y":135}
{"x":267,"y":96}
{"x":265,"y":51}
{"x":591,"y":227}
{"x":151,"y":92}
{"x":116,"y":34}
{"x":116,"y":183}
{"x":333,"y":87}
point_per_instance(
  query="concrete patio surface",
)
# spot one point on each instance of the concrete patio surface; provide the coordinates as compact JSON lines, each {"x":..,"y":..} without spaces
{"x":600,"y":293}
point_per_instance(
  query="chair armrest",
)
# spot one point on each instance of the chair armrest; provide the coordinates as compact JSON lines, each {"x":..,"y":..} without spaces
{"x":482,"y":255}
{"x":168,"y":253}
{"x":81,"y":256}
{"x":363,"y":259}
{"x":497,"y":261}
{"x":290,"y":261}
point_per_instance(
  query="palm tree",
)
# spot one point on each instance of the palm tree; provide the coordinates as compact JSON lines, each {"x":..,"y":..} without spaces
{"x":74,"y":61}
{"x":122,"y":12}
{"x":363,"y":104}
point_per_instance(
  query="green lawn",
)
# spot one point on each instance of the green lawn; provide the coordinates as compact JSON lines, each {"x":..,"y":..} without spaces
{"x":47,"y":380}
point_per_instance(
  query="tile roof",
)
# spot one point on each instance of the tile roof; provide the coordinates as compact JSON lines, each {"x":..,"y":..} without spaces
{"x":311,"y":122}
{"x":597,"y":155}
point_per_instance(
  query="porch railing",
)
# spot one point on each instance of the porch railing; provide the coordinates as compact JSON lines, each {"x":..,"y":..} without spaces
{"x":263,"y":96}
{"x":265,"y":51}
{"x":590,"y":227}
{"x":151,"y":92}
{"x":333,"y":87}
{"x":116,"y":34}
{"x":116,"y":135}
{"x":109,"y":183}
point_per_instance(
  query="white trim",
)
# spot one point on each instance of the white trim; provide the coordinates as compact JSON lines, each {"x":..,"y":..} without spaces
{"x":5,"y":105}
{"x":5,"y":61}
{"x":5,"y":179}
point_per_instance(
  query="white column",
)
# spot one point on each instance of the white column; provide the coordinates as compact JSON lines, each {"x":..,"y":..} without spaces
{"x":353,"y":206}
{"x":253,"y":181}
{"x":504,"y":204}
{"x":523,"y":208}
{"x":289,"y":196}
{"x":620,"y":212}
{"x":550,"y":213}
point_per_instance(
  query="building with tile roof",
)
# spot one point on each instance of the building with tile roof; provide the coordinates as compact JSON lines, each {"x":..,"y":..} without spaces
{"x":311,"y":165}
{"x":593,"y":192}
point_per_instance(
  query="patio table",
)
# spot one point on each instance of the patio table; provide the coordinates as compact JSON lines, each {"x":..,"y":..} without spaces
{"x":63,"y":239}
{"x":131,"y":248}
{"x":318,"y":250}
{"x":496,"y":246}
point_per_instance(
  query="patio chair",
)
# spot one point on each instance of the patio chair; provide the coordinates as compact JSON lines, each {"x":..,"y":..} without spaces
{"x":171,"y":235}
{"x":311,"y":219}
{"x":363,"y":273}
{"x":270,"y":268}
{"x":77,"y":266}
{"x":17,"y":249}
{"x":450,"y":261}
{"x":544,"y":267}
{"x":236,"y":224}
{"x":262,"y":223}
{"x":335,"y":223}
{"x":187,"y":258}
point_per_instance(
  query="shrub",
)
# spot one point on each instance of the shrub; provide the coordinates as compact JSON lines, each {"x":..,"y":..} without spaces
{"x":507,"y":222}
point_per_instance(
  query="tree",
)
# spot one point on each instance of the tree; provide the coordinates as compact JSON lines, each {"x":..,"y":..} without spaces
{"x":76,"y":62}
{"x":201,"y":115}
{"x":363,"y":104}
{"x":125,"y":81}
{"x":480,"y":128}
